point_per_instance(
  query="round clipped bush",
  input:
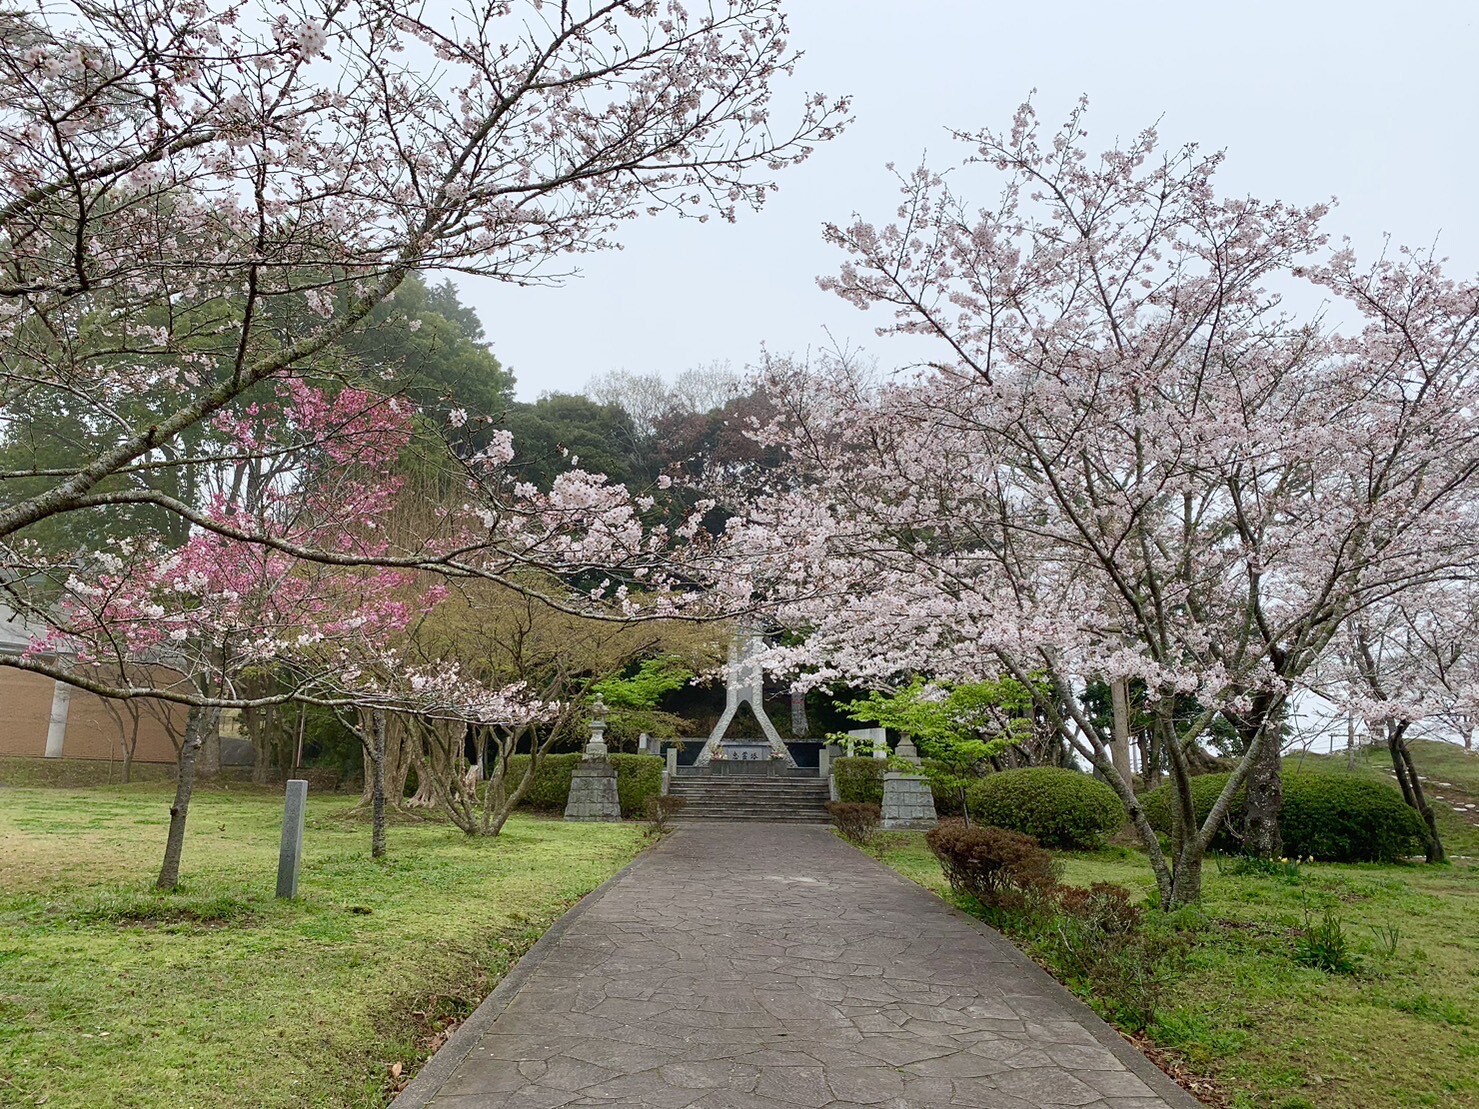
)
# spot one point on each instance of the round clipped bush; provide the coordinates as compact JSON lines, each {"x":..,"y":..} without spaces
{"x":1205,"y":789}
{"x":1334,"y":817}
{"x":1346,"y":819}
{"x":1058,"y":808}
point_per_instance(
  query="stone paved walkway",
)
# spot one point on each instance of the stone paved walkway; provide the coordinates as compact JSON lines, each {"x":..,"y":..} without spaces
{"x":762,"y":966}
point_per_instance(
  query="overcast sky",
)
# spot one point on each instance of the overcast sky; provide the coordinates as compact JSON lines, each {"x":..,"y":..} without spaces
{"x":1373,"y":103}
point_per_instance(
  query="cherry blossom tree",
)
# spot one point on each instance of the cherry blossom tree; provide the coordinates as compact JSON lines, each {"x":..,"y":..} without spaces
{"x":199,"y":201}
{"x":1406,"y":663}
{"x":1127,"y":462}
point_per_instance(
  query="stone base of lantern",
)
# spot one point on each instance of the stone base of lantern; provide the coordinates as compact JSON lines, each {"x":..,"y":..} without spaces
{"x":907,"y":802}
{"x":593,"y":797}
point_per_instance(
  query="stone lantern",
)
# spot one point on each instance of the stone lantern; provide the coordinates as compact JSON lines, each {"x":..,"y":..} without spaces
{"x":593,"y":796}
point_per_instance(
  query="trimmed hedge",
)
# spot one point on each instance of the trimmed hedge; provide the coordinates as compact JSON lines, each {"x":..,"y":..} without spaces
{"x":638,"y":777}
{"x":1057,"y":807}
{"x":1334,"y":817}
{"x":859,"y":780}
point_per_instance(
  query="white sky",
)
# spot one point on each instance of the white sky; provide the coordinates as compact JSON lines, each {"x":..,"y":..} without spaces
{"x":1374,"y":103}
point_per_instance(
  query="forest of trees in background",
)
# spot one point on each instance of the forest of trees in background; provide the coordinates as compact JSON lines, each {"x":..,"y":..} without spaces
{"x":633,"y":427}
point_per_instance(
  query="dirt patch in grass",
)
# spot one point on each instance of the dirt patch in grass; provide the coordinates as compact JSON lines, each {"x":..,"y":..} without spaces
{"x":1199,"y":1086}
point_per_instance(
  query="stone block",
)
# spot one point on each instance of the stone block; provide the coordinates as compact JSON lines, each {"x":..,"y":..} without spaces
{"x":907,"y":802}
{"x":593,"y":796}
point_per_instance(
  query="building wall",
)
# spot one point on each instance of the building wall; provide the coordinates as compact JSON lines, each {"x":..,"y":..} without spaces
{"x":93,"y":727}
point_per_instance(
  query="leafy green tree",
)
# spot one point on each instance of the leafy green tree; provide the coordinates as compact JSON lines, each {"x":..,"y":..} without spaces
{"x":559,"y":427}
{"x":441,"y":360}
{"x":959,"y":729}
{"x":633,"y":700}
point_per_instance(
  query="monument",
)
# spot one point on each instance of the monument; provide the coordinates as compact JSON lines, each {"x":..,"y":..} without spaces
{"x":593,"y":796}
{"x":907,"y":799}
{"x":744,"y":684}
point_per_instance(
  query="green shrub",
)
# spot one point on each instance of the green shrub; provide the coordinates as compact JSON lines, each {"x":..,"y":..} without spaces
{"x":1058,"y":808}
{"x":1205,"y":789}
{"x":859,"y":780}
{"x":1333,"y":817}
{"x":551,"y":786}
{"x":1098,"y":940}
{"x":638,"y":777}
{"x":857,"y":821}
{"x":1000,"y":869}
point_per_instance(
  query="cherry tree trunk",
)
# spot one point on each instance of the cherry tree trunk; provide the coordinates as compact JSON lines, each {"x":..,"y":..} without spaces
{"x":1119,"y":751}
{"x":201,"y":722}
{"x":1186,"y":880}
{"x":208,"y":764}
{"x":377,"y":784}
{"x":1412,"y":788}
{"x":400,"y":759}
{"x":131,"y":744}
{"x":1261,"y":835}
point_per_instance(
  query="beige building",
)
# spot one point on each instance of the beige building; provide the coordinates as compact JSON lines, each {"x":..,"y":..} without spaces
{"x":40,"y":717}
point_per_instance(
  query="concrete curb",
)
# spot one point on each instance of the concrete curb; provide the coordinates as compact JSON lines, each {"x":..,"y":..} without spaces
{"x":1162,"y":1084}
{"x":442,"y":1065}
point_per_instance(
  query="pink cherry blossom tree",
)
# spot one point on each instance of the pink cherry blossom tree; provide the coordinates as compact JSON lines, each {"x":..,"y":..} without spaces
{"x":199,"y":200}
{"x":1127,"y":461}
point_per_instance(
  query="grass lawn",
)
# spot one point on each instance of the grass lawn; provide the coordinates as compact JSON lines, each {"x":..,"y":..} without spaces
{"x":220,"y":995}
{"x":1402,"y":1031}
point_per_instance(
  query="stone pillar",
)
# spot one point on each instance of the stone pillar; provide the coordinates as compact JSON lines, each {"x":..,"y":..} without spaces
{"x":824,"y":762}
{"x":593,"y":795}
{"x":874,"y":739}
{"x":643,"y":742}
{"x":56,"y":726}
{"x":907,"y":751}
{"x":290,"y":854}
{"x":672,"y":762}
{"x":907,"y":802}
{"x":800,"y":727}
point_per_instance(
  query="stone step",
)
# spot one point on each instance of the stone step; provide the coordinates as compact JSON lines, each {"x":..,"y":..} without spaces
{"x":780,"y":784}
{"x":752,"y":799}
{"x":755,"y":802}
{"x":754,"y":817}
{"x":811,"y":804}
{"x":801,"y":791}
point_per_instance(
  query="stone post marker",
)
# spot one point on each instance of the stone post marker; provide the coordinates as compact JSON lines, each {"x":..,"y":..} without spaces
{"x":290,"y":856}
{"x":907,"y":800}
{"x":56,"y":724}
{"x":593,"y":795}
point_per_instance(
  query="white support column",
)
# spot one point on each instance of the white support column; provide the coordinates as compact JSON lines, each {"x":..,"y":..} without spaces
{"x":56,"y":727}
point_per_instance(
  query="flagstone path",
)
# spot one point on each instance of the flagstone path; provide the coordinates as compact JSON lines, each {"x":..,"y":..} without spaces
{"x":764,"y":966}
